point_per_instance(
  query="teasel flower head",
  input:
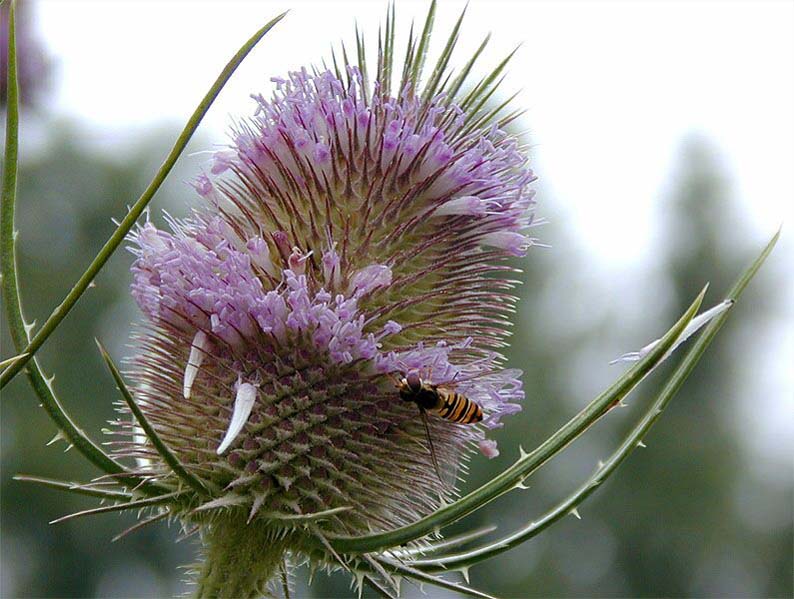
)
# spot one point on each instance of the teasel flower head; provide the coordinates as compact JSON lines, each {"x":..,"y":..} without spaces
{"x":352,"y":233}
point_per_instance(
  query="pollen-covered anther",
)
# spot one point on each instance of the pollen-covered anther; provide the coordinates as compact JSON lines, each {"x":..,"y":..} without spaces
{"x":243,"y":404}
{"x":198,"y":349}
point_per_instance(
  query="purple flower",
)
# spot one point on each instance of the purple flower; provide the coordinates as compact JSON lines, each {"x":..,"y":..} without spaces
{"x":349,"y":238}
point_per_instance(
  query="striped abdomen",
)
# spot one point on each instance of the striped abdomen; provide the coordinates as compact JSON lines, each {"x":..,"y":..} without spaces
{"x":456,"y":407}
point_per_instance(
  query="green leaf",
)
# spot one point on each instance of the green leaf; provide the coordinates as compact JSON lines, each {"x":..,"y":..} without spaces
{"x":9,"y":190}
{"x":137,"y":208}
{"x":378,"y":588}
{"x":513,"y":476}
{"x":361,"y":55}
{"x":443,"y":60}
{"x":484,"y":119}
{"x":11,"y":360}
{"x":168,"y":456}
{"x":485,"y":87}
{"x":407,"y":61}
{"x":302,"y":518}
{"x":141,"y":524}
{"x":424,"y":577}
{"x":337,"y":71}
{"x":447,"y":543}
{"x":389,"y":52}
{"x":453,"y":89}
{"x":386,"y":53}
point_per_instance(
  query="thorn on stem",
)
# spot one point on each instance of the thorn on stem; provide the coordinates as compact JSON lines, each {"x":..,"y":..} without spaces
{"x":58,"y":436}
{"x":520,"y":485}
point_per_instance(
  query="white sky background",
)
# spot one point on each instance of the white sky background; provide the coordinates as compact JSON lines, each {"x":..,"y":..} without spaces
{"x":611,"y":89}
{"x":606,"y":84}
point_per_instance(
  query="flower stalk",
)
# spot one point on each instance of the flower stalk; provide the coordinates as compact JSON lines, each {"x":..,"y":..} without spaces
{"x":238,"y":562}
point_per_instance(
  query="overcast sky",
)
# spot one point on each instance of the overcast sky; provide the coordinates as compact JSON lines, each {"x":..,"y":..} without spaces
{"x":610,"y":88}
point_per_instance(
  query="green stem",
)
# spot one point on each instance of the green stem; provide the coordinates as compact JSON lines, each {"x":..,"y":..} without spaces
{"x":137,"y":209}
{"x":240,"y":558}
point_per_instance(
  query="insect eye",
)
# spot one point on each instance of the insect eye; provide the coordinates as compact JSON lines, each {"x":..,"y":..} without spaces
{"x":414,"y":382}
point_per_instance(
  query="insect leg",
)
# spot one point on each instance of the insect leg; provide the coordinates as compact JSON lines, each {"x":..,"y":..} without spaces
{"x":430,"y":443}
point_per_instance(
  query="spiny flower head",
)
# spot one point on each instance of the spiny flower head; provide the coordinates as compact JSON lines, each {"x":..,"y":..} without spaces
{"x":349,"y":237}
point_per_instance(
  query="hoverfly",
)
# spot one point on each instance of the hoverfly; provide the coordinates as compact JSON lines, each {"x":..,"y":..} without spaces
{"x":438,"y":400}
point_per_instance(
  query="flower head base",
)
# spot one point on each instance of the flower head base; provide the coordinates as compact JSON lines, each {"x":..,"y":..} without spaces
{"x":349,"y":238}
